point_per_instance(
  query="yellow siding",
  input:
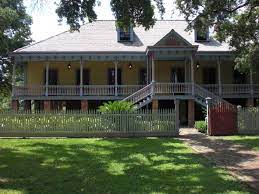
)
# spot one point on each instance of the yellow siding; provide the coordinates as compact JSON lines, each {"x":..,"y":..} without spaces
{"x":98,"y":72}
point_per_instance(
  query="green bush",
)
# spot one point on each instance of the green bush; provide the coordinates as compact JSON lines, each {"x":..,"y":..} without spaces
{"x":117,"y":106}
{"x":201,"y":126}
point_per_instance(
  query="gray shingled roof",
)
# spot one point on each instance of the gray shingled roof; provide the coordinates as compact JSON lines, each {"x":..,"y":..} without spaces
{"x":102,"y":36}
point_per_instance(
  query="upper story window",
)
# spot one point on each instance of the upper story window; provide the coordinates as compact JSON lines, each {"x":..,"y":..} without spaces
{"x":125,"y":35}
{"x":202,"y":35}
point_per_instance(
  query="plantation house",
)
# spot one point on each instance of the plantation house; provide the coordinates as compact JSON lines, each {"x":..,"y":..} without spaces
{"x":152,"y":68}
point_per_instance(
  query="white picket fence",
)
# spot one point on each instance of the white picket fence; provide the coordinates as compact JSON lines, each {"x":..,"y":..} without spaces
{"x":248,"y":120}
{"x":88,"y":124}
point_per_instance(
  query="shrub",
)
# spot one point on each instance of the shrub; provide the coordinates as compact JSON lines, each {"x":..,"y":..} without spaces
{"x":201,"y":126}
{"x":117,"y":106}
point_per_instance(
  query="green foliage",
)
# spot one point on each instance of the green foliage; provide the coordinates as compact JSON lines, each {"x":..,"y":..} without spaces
{"x":133,"y":12}
{"x":235,"y":22}
{"x":75,"y":12}
{"x":201,"y":126}
{"x":14,"y":33}
{"x":117,"y":106}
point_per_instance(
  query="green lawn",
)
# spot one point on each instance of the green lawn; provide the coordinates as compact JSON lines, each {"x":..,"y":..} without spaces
{"x":248,"y":141}
{"x":108,"y":166}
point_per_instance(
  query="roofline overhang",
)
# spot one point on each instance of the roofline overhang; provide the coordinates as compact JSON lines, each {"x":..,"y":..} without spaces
{"x":76,"y":56}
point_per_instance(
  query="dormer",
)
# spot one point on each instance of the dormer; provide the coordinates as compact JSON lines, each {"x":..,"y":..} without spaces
{"x":202,"y":35}
{"x":125,"y":34}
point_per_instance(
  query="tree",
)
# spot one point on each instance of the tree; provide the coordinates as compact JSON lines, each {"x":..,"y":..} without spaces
{"x":14,"y":33}
{"x":235,"y":21}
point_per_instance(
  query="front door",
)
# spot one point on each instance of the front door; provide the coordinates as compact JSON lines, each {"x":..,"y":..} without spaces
{"x":177,"y":75}
{"x":111,"y":76}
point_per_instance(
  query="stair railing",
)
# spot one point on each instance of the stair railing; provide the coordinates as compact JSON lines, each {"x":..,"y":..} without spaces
{"x":140,"y":94}
{"x":202,"y":93}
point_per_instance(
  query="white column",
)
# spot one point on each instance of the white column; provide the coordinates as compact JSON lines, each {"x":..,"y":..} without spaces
{"x":219,"y":77}
{"x":47,"y":79}
{"x":81,"y":77}
{"x":147,"y":66}
{"x":251,"y":82}
{"x":116,"y":77}
{"x":192,"y":73}
{"x":153,"y":68}
{"x":13,"y":77}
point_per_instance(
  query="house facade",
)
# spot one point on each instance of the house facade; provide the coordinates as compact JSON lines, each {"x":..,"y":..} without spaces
{"x":152,"y":68}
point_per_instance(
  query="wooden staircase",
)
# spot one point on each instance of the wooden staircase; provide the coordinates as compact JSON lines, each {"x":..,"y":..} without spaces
{"x":142,"y":97}
{"x":201,"y":94}
{"x":145,"y":95}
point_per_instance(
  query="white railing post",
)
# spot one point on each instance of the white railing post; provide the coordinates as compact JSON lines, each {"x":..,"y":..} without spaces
{"x":116,"y":77}
{"x":47,"y":79}
{"x":153,"y":74}
{"x":81,"y":77}
{"x":208,"y":102}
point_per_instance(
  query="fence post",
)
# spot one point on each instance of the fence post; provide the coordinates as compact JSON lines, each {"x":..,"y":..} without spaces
{"x":177,"y":118}
{"x":208,"y":102}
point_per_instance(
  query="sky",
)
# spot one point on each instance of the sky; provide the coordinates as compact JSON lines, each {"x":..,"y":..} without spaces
{"x":45,"y":20}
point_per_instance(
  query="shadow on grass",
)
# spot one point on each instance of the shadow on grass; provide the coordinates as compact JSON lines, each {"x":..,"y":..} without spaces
{"x":108,"y":166}
{"x":251,"y":142}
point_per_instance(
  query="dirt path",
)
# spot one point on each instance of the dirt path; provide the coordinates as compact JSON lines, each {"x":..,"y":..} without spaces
{"x":242,"y":162}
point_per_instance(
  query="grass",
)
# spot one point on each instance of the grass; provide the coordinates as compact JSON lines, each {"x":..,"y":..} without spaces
{"x":251,"y":142}
{"x":146,"y":165}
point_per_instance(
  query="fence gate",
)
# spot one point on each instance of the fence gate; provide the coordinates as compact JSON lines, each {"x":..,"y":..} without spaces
{"x":222,"y":119}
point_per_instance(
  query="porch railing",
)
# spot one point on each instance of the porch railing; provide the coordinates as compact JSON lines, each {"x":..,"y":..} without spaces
{"x":232,"y":89}
{"x":125,"y":90}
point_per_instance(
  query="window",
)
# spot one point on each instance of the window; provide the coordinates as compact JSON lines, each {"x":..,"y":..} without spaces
{"x":125,"y":35}
{"x":53,"y":77}
{"x":202,"y":35}
{"x":143,"y":76}
{"x":86,"y":77}
{"x":209,"y":75}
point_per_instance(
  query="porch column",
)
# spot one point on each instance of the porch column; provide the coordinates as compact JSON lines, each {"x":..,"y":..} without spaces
{"x":153,"y":67}
{"x":81,"y":77}
{"x":47,"y":79}
{"x":116,"y":77}
{"x":219,"y":76}
{"x":13,"y":78}
{"x":192,"y":73}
